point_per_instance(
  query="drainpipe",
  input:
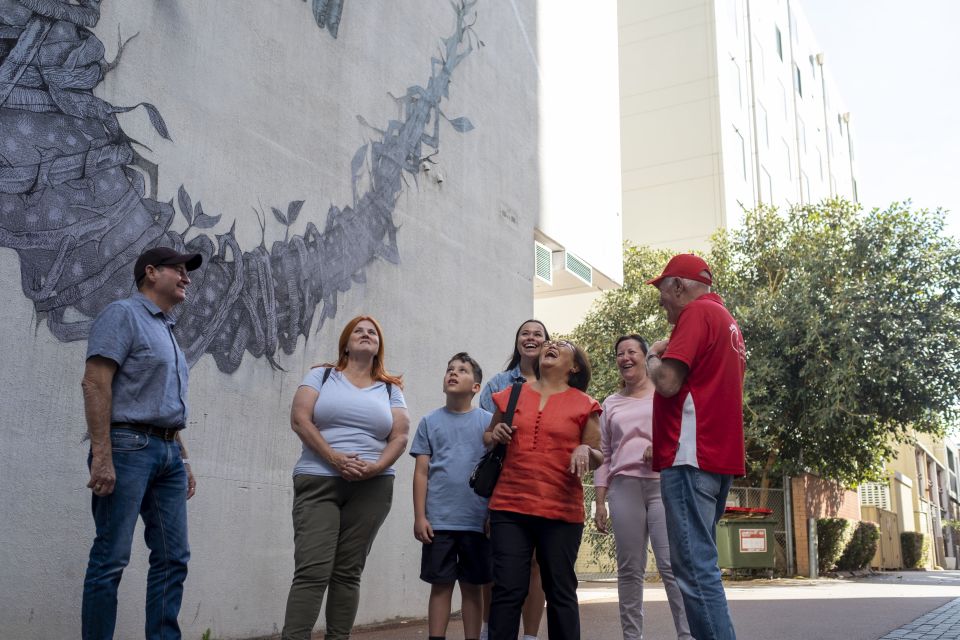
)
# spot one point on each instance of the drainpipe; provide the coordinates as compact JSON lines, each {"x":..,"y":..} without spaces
{"x":753,"y":112}
{"x":853,"y":178}
{"x":788,"y":522}
{"x":826,"y":122}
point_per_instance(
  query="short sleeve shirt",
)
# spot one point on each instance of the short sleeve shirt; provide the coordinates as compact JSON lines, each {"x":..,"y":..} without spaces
{"x":150,"y":384}
{"x":454,"y":442}
{"x":702,"y":425}
{"x":536,"y":479}
{"x":350,"y":419}
{"x":499,"y":382}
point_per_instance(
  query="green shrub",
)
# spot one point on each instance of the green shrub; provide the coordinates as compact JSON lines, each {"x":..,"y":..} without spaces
{"x":914,"y":547}
{"x":861,"y":548}
{"x":832,"y":536}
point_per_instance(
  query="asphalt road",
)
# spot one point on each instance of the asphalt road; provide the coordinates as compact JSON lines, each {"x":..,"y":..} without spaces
{"x":854,"y":609}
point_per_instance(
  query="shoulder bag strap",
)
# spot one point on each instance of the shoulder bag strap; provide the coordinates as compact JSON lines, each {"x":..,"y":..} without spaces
{"x":512,"y":402}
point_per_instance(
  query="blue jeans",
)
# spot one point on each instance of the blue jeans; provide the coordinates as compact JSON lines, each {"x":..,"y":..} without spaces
{"x":152,"y":484}
{"x":693,"y":502}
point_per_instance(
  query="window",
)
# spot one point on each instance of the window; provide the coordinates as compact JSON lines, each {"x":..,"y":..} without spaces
{"x":786,"y":155}
{"x":805,"y":186}
{"x":820,"y":162}
{"x":797,"y":81}
{"x":840,"y":124}
{"x":802,"y":134}
{"x":743,"y":153}
{"x":763,"y":131}
{"x":779,"y":42}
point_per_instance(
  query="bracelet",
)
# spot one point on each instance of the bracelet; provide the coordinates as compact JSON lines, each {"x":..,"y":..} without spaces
{"x":185,"y":460}
{"x":653,"y":355}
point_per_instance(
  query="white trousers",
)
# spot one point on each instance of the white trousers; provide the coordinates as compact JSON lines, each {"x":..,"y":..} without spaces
{"x":636,"y":511}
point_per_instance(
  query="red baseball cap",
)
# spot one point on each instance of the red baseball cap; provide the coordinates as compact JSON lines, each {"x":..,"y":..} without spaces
{"x":685,"y":265}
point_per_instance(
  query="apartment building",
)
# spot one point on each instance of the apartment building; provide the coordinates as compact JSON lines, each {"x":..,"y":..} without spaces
{"x":724,"y":104}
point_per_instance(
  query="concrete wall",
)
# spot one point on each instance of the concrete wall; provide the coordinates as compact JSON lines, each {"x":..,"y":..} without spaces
{"x":262,"y":107}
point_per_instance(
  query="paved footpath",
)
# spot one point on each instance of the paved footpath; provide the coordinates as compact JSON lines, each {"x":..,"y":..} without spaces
{"x":918,"y":605}
{"x":942,"y":623}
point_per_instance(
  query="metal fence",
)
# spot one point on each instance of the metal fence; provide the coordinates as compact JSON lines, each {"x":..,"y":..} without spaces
{"x":597,"y":559}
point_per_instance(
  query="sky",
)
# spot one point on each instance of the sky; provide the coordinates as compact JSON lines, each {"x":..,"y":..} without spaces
{"x":896,"y":65}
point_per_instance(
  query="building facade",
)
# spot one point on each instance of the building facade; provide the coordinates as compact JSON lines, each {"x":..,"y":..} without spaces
{"x":382,"y":161}
{"x":725,"y":104}
{"x":579,"y":232}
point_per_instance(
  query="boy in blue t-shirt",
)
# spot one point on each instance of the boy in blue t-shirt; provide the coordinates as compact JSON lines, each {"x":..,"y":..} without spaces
{"x":448,"y":516}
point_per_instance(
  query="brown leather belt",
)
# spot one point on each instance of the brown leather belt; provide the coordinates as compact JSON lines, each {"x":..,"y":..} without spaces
{"x":164,"y":433}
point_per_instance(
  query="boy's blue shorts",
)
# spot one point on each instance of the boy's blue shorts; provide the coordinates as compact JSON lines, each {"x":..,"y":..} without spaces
{"x":457,"y":555}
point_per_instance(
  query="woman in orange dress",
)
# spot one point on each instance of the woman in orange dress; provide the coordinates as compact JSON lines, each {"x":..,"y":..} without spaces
{"x":537,"y":506}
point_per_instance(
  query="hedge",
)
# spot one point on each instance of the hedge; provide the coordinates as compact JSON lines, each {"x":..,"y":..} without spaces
{"x":832,"y":537}
{"x":914,"y":546}
{"x":861,"y":547}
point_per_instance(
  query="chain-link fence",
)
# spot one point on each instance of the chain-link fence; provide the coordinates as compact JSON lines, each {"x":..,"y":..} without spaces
{"x":597,"y":559}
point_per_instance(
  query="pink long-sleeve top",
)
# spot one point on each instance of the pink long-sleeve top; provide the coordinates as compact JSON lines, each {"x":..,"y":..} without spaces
{"x":626,"y":430}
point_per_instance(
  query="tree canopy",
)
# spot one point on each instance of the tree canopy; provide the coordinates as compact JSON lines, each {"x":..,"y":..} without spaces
{"x":851,"y":321}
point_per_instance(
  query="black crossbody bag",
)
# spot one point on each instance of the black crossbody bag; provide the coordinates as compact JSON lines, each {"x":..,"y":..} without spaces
{"x":487,"y":472}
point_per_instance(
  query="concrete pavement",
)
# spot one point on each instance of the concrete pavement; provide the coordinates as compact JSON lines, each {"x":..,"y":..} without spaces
{"x":866,"y":608}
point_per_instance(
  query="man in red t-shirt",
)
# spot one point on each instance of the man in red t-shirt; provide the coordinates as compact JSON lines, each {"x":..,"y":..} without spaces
{"x":697,"y":433}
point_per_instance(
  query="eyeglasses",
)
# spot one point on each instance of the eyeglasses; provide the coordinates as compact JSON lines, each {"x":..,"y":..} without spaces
{"x":559,"y":343}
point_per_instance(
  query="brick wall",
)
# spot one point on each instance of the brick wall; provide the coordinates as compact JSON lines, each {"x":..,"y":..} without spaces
{"x":814,"y":497}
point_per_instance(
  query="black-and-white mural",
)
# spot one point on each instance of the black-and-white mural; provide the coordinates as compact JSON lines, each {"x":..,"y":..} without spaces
{"x":78,"y":199}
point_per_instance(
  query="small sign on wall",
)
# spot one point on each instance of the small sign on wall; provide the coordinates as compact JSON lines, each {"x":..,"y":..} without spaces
{"x":753,"y":540}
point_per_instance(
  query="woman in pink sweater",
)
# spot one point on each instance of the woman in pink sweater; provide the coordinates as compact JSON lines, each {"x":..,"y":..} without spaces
{"x":633,"y":489}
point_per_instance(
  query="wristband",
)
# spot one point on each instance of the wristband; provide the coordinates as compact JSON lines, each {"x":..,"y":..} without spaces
{"x":186,"y":460}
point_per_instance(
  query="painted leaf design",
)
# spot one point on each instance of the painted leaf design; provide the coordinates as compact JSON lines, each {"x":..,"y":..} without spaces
{"x":358,"y":159}
{"x":462,"y":124}
{"x":282,"y":219}
{"x":293,"y":210}
{"x":186,"y":207}
{"x":203,"y":221}
{"x":157,"y":121}
{"x":319,"y":11}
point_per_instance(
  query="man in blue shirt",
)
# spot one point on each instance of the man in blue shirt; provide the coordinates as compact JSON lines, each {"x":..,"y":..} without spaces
{"x":135,"y":401}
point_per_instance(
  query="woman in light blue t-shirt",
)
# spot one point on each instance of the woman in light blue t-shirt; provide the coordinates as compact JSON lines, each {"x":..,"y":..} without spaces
{"x":353,"y":422}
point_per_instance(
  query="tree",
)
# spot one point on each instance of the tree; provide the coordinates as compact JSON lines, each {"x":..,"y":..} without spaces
{"x":852,"y":326}
{"x":633,"y":308}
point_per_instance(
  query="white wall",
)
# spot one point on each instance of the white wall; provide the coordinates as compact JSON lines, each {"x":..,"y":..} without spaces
{"x":580,"y":132}
{"x":671,"y":133}
{"x":262,"y":106}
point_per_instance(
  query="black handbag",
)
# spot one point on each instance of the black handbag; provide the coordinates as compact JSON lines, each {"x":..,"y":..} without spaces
{"x":487,"y":472}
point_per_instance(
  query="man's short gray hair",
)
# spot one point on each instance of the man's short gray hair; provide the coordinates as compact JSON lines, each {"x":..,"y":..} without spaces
{"x":692,"y":284}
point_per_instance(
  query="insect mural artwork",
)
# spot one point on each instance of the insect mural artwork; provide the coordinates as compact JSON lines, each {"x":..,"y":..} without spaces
{"x":78,"y":212}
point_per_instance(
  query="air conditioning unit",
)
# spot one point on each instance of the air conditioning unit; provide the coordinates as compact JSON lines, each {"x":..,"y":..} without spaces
{"x":574,"y":266}
{"x":544,"y":262}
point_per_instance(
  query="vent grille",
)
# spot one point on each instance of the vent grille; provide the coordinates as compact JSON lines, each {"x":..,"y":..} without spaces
{"x":875,"y":494}
{"x":579,"y":268}
{"x":544,"y":269}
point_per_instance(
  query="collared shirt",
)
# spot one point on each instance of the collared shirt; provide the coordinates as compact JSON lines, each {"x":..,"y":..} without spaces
{"x":499,"y":382}
{"x":150,"y":385}
{"x":702,"y":425}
